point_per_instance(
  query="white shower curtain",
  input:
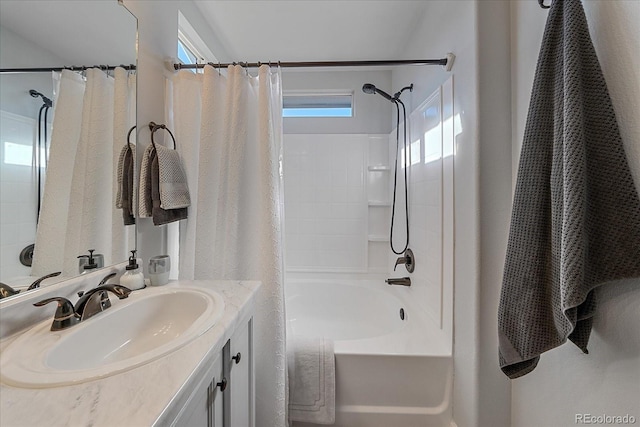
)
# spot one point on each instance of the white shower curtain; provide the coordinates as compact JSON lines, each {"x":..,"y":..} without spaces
{"x":78,"y":207}
{"x":229,"y":132}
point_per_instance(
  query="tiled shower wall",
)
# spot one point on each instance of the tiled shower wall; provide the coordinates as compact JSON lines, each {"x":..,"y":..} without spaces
{"x":328,"y":202}
{"x":18,"y":201}
{"x":430,"y":177}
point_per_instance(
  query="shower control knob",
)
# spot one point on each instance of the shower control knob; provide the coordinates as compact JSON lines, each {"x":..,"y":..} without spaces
{"x":237,"y":358}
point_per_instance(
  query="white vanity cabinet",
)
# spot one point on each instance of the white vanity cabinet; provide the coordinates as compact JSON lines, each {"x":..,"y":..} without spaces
{"x":204,"y":407}
{"x":224,"y":395}
{"x":241,"y":386}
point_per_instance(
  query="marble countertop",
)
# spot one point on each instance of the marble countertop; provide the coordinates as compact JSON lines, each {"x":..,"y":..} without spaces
{"x":151,"y":394}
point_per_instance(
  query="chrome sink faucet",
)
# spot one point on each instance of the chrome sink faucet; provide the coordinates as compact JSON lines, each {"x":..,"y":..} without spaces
{"x":90,"y":303}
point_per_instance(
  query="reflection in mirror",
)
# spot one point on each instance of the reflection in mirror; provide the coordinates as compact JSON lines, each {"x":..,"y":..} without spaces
{"x":63,"y":134}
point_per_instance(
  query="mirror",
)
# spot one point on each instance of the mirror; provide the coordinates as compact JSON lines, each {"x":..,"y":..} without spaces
{"x":49,"y":34}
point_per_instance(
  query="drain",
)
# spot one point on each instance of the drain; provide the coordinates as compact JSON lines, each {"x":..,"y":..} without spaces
{"x":402,"y":314}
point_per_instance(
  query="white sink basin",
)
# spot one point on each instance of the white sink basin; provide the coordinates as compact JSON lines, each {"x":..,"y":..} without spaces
{"x":149,"y":324}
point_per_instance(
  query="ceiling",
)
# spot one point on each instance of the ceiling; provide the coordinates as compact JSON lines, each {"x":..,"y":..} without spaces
{"x":313,"y":30}
{"x":81,"y":32}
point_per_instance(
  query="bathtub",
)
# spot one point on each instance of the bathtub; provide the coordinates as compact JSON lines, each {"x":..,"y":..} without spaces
{"x":389,"y":371}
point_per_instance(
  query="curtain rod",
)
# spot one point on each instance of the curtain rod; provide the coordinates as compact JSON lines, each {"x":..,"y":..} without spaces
{"x":129,"y":67}
{"x":446,"y":62}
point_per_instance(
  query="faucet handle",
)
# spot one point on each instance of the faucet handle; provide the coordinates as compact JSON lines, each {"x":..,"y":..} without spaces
{"x":106,"y":278}
{"x":408,"y":260}
{"x":400,"y":260}
{"x":65,"y":315}
{"x":36,"y":284}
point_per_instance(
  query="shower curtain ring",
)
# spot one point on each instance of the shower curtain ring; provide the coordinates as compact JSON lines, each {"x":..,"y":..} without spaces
{"x":219,"y":66}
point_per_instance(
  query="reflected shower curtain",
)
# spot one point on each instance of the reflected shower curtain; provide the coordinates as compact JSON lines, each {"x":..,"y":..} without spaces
{"x":229,"y":133}
{"x":78,"y":208}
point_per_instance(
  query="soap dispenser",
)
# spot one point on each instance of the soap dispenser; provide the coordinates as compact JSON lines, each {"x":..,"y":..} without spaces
{"x":133,"y":277}
{"x":87,"y":262}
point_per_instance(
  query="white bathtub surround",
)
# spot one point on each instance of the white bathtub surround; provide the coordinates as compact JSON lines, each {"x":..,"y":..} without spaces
{"x":82,"y":141}
{"x":151,"y":394}
{"x":389,"y":372}
{"x":229,"y":133}
{"x":312,"y":380}
{"x":432,"y":129}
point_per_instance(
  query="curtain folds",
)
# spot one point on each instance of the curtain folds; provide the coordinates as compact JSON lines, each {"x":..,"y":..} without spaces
{"x":78,"y":207}
{"x":229,"y":132}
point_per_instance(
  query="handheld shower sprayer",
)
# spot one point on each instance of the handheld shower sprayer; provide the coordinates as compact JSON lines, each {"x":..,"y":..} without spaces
{"x":35,"y":94}
{"x":369,"y":88}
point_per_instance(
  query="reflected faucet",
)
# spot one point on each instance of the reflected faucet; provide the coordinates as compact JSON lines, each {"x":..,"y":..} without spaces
{"x":7,"y":291}
{"x":36,"y":284}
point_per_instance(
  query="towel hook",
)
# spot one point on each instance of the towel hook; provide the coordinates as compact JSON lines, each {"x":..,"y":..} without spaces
{"x":542,"y":5}
{"x":155,"y":128}
{"x":129,"y":137}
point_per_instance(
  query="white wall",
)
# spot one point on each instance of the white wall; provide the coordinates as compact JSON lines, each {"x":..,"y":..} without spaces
{"x":18,"y":201}
{"x":481,"y":394}
{"x":607,"y":380}
{"x":18,"y":193}
{"x":16,"y":51}
{"x":157,"y":41}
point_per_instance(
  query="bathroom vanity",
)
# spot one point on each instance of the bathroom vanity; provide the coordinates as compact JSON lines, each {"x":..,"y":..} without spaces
{"x":207,"y":379}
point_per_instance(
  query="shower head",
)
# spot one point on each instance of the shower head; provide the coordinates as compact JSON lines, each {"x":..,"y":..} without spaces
{"x":369,"y":88}
{"x":35,"y":94}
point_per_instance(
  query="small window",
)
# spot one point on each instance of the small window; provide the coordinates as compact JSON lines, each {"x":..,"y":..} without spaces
{"x":317,"y":105}
{"x":191,"y":48}
{"x":185,"y":55}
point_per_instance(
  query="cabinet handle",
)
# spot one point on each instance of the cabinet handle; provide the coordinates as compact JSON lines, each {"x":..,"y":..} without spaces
{"x":222,"y":384}
{"x":237,"y":358}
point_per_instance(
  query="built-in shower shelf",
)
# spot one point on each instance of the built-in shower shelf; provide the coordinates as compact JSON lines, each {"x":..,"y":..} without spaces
{"x":377,"y":238}
{"x":378,"y":203}
{"x":379,"y":168}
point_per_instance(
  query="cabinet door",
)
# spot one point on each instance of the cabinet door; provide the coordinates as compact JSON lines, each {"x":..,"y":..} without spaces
{"x":241,"y":377}
{"x":204,"y":404}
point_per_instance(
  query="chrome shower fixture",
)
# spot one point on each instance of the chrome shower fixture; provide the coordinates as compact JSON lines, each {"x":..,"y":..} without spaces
{"x":35,"y":94}
{"x":371,"y":89}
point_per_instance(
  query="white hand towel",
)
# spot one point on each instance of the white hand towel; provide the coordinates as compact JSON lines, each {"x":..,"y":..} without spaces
{"x":312,"y":380}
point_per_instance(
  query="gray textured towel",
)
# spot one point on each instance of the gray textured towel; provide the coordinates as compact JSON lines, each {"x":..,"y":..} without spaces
{"x":576,"y":214}
{"x":161,"y":216}
{"x":174,"y":191}
{"x":125,"y":174}
{"x":127,"y":189}
{"x":144,"y":193}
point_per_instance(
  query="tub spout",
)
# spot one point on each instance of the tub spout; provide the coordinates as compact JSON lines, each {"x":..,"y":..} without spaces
{"x":403,"y":281}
